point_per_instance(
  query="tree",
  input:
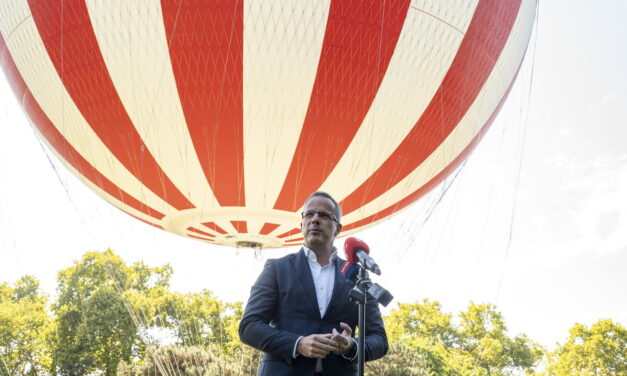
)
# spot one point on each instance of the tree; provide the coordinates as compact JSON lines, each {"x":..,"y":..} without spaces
{"x":401,"y":360}
{"x":483,"y":336}
{"x":421,"y":328}
{"x":193,"y":361}
{"x":203,"y":320}
{"x":478,"y":346}
{"x":600,"y":350}
{"x":24,"y":329}
{"x":103,"y":308}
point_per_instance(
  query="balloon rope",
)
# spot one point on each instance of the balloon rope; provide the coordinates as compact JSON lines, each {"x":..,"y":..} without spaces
{"x":525,"y":114}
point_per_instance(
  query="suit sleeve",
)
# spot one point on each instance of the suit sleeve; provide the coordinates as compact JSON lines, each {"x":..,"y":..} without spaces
{"x":254,"y":328}
{"x":376,"y":338}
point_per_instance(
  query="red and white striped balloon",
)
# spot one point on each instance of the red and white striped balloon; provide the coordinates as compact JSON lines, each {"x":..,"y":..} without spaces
{"x":216,"y":119}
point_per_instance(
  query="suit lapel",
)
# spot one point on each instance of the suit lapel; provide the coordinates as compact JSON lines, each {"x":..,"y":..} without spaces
{"x":303,"y":275}
{"x":338,"y":288}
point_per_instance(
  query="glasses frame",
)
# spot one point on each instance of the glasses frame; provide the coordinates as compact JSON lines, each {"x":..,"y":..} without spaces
{"x":325,"y":215}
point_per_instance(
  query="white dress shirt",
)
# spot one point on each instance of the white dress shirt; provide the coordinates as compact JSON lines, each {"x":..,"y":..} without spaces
{"x":323,"y":279}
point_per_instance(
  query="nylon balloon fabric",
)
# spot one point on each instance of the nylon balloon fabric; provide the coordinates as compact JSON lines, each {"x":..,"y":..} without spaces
{"x":215,"y":121}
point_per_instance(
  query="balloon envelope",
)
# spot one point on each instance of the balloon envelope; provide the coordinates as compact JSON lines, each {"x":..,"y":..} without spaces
{"x":216,"y":120}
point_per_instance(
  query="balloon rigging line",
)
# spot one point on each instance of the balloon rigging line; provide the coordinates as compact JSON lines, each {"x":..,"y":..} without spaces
{"x":63,"y":183}
{"x":454,"y":208}
{"x":498,"y":157}
{"x":525,"y":124}
{"x":448,"y":182}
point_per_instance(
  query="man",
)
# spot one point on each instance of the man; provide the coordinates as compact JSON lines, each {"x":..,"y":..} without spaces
{"x":299,"y":313}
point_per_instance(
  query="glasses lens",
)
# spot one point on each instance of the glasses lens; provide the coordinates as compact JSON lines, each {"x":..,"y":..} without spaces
{"x":324,"y":215}
{"x":309,"y":214}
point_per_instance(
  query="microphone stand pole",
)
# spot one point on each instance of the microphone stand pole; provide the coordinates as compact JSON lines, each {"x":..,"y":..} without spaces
{"x":359,"y":295}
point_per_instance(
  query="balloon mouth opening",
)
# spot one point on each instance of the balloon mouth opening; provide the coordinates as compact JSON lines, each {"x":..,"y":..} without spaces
{"x":249,"y":244}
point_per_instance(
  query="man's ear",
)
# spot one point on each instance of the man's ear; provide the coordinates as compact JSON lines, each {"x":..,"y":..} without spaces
{"x":338,"y":229}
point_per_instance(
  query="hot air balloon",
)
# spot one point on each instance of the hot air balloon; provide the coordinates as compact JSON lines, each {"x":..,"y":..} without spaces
{"x":216,"y":119}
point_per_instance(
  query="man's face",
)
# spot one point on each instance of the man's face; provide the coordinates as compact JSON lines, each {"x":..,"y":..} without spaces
{"x":318,"y":230}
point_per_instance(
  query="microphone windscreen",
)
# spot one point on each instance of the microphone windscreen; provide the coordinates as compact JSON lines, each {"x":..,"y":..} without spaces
{"x":350,"y":271}
{"x":352,"y":245}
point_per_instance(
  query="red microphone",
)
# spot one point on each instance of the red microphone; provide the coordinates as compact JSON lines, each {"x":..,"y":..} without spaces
{"x":351,"y":246}
{"x":357,"y":251}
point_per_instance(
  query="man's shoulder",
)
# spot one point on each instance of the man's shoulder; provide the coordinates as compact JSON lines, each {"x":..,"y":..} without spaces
{"x":290,"y":257}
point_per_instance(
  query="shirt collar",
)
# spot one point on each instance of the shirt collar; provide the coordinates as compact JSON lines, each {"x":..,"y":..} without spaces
{"x":311,"y":255}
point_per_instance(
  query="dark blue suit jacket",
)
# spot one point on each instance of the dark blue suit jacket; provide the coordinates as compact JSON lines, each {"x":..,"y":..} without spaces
{"x":283,"y":306}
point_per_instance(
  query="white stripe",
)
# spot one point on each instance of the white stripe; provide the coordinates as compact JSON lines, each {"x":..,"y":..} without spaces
{"x":132,"y":39}
{"x":99,"y":191}
{"x":457,"y":13}
{"x":423,"y":55}
{"x":224,"y":215}
{"x":282,"y":45}
{"x":285,"y":227}
{"x":40,"y":75}
{"x":477,"y":115}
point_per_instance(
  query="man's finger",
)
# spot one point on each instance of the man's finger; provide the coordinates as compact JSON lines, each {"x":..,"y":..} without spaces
{"x":326,"y":345}
{"x":347,"y":328}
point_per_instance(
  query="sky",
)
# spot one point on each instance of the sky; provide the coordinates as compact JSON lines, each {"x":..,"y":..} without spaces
{"x":534,"y":222}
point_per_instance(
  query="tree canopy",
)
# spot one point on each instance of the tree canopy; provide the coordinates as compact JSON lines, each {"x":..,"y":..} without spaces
{"x":599,"y":350}
{"x":114,"y":318}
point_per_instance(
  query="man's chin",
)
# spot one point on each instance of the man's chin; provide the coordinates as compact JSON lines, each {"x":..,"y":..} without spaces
{"x":314,"y":242}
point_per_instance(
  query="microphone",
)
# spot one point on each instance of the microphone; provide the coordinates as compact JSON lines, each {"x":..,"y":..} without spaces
{"x":357,"y":251}
{"x":350,"y":272}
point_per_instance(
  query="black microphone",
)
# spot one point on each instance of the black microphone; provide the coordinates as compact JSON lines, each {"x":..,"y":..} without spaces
{"x":357,"y":250}
{"x":350,"y":272}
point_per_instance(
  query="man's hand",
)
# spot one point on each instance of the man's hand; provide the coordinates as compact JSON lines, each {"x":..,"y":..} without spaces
{"x":317,"y":346}
{"x":344,"y":340}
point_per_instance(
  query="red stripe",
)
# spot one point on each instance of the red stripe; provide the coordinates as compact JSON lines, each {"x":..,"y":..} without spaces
{"x":67,"y":33}
{"x":201,"y":238}
{"x":214,"y":227}
{"x":58,"y":142}
{"x":268,"y":228}
{"x":359,"y":41}
{"x":205,"y":39}
{"x":192,"y":229}
{"x":440,"y":176}
{"x":290,"y":232}
{"x":240,"y":226}
{"x":146,"y":222}
{"x":478,"y":53}
{"x":295,"y":240}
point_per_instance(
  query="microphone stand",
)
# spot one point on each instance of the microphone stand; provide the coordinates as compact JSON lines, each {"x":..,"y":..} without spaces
{"x":358,"y":296}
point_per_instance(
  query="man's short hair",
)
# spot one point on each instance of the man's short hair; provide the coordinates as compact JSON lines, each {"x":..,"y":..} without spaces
{"x":337,"y":208}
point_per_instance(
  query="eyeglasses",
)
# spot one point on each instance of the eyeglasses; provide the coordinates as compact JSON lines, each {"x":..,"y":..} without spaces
{"x":309,"y":214}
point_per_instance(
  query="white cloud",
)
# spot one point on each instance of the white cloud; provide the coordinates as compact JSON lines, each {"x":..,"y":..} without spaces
{"x":602,"y":102}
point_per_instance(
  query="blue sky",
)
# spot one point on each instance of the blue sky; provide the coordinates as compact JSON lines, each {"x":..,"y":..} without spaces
{"x":533,"y":223}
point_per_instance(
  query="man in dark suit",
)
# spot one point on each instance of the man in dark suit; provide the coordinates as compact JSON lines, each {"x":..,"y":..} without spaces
{"x":299,"y":313}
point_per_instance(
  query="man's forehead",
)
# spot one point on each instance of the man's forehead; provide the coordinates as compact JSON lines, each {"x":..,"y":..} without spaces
{"x":320,"y":200}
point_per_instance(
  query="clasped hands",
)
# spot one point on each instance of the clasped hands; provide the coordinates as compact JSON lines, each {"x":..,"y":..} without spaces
{"x":320,"y":345}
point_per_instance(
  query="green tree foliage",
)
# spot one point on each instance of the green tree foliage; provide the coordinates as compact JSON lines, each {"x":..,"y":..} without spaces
{"x":483,"y":335}
{"x":24,"y":329}
{"x":201,"y":319}
{"x":111,"y":318}
{"x":428,"y":339}
{"x":194,"y":361}
{"x":401,"y":360}
{"x":600,"y":350}
{"x":103,"y":305}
